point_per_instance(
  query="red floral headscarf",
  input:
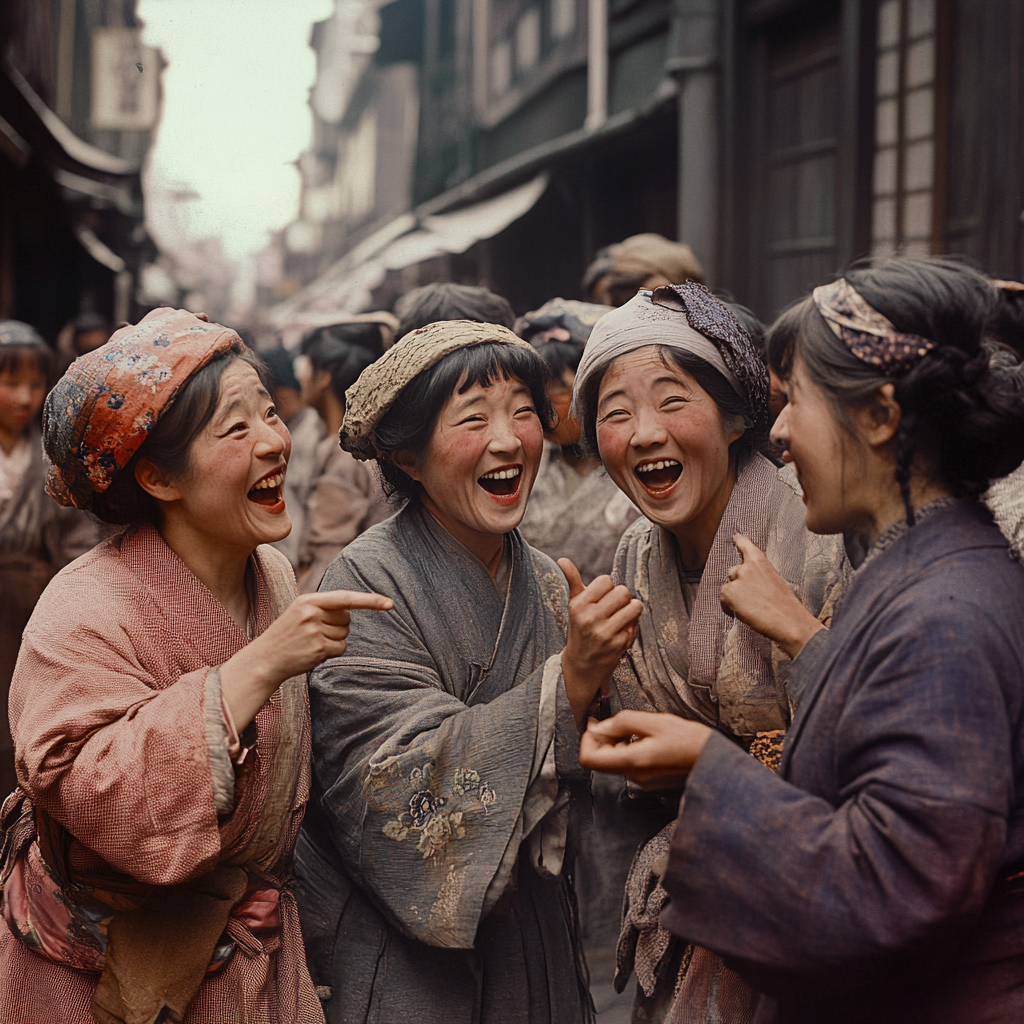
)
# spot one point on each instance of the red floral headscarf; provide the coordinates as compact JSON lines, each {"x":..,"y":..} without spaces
{"x":110,"y":399}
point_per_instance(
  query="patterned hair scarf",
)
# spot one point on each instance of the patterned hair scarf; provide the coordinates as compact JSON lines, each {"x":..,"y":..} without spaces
{"x":380,"y":384}
{"x":110,"y":399}
{"x":871,"y":337}
{"x":570,"y":315}
{"x":688,"y":317}
{"x":16,"y":333}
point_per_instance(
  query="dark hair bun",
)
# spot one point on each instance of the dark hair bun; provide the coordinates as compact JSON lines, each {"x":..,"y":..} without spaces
{"x":965,"y":419}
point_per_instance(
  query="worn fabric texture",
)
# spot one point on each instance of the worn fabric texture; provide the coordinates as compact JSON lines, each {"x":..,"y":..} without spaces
{"x":1005,"y":499}
{"x":570,"y":315}
{"x":653,"y":254}
{"x":380,"y":384}
{"x":37,"y":537}
{"x":434,"y":866}
{"x":577,"y":516}
{"x":692,"y":659}
{"x":870,"y":881}
{"x":109,"y":400}
{"x":110,"y":724}
{"x":345,"y":499}
{"x":641,"y":323}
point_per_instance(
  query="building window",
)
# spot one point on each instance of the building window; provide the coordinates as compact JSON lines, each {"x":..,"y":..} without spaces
{"x":528,"y":40}
{"x":501,"y":68}
{"x":904,"y":174}
{"x":563,"y":18}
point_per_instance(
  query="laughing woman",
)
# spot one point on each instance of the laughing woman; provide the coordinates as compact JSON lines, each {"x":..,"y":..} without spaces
{"x":880,"y":876}
{"x":159,"y":708}
{"x":672,"y":395}
{"x":434,"y":867}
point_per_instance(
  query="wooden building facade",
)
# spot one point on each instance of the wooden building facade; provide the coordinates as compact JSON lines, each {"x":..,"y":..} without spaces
{"x":780,"y":139}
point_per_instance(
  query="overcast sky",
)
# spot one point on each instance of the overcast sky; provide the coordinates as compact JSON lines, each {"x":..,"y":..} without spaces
{"x":235,"y":110}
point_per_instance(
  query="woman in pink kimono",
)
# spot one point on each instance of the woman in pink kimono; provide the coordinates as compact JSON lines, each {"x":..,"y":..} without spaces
{"x":158,"y":707}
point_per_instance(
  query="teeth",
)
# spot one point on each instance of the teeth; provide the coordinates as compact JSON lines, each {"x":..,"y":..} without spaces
{"x":649,"y":467}
{"x":502,"y":474}
{"x":270,"y":482}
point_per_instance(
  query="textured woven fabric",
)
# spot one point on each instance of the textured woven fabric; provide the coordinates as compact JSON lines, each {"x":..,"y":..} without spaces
{"x":380,"y":384}
{"x":430,"y":868}
{"x":14,"y":332}
{"x":1005,"y":499}
{"x":638,"y":324}
{"x":871,"y":337}
{"x":107,"y":708}
{"x":109,"y":400}
{"x":713,"y":319}
{"x":578,"y":318}
{"x":652,"y":254}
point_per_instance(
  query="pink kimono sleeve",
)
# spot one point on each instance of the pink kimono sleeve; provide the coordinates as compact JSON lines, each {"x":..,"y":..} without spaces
{"x":116,"y":751}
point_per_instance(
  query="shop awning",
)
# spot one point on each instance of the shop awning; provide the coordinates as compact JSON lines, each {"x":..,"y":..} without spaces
{"x":405,"y":241}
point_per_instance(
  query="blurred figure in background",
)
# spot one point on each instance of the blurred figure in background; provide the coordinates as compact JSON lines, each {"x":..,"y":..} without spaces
{"x":90,"y":331}
{"x":307,"y":430}
{"x":345,"y":497}
{"x":575,"y":510}
{"x":367,"y":331}
{"x":435,"y":302}
{"x":37,"y":536}
{"x":649,"y":260}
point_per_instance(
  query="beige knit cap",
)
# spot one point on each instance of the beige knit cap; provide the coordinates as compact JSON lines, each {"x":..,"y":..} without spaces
{"x":380,"y":384}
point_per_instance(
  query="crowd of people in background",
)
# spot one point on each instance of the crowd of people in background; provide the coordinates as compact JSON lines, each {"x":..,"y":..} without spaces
{"x":301,"y":647}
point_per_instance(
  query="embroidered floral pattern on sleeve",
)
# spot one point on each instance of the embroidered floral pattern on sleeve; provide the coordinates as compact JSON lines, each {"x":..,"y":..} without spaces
{"x":438,"y":819}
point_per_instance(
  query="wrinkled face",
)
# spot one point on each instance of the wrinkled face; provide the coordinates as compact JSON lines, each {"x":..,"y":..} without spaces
{"x":479,"y":467}
{"x":823,"y":454}
{"x":568,"y":429}
{"x":662,"y":439}
{"x":233,"y":490}
{"x":22,"y":390}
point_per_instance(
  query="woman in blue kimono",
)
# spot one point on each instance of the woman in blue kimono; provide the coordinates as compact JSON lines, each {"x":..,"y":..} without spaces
{"x":435,"y":867}
{"x":880,"y":876}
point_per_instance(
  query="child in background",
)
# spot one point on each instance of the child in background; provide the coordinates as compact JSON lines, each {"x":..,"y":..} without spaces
{"x":37,"y":537}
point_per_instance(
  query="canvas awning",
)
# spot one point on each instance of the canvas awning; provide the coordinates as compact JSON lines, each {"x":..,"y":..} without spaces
{"x":405,"y":241}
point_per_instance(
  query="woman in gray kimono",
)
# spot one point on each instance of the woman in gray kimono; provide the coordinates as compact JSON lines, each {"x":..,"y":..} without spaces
{"x":434,"y":868}
{"x":672,"y":394}
{"x":879,"y":877}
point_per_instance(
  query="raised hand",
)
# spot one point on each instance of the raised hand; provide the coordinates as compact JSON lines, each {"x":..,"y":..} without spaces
{"x":656,"y":751}
{"x":757,"y":595}
{"x":602,"y":624}
{"x":312,"y":629}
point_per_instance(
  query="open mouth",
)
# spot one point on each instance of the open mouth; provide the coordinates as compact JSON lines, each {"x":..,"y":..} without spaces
{"x":503,"y":483}
{"x":267,"y":492}
{"x":658,"y":475}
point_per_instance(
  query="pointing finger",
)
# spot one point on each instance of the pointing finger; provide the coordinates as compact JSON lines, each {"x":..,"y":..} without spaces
{"x":330,"y":600}
{"x":746,"y":547}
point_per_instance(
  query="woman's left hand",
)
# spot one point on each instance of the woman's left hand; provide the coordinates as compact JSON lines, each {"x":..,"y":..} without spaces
{"x":757,"y":595}
{"x":656,"y":751}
